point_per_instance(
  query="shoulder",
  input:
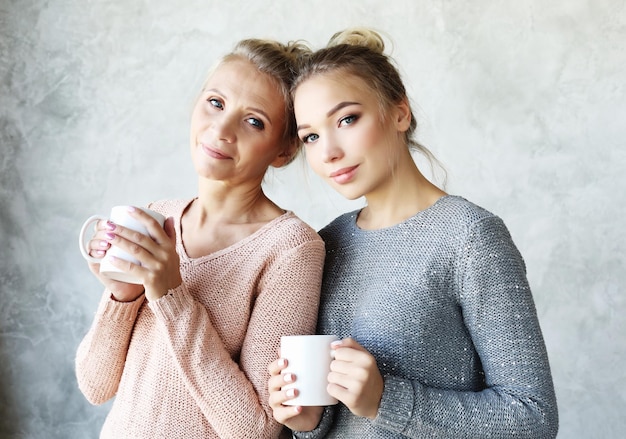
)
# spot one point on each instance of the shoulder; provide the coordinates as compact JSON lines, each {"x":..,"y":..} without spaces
{"x":460,"y":210}
{"x":481,"y":232}
{"x":462,"y":217}
{"x":290,"y":230}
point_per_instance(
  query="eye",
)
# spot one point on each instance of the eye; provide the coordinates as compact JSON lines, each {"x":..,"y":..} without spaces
{"x":348,"y":120}
{"x":257,"y":123}
{"x":216,"y":103}
{"x":310,"y":138}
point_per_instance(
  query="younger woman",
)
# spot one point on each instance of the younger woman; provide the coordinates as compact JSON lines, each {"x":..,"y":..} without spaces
{"x":185,"y":353}
{"x":427,"y":291}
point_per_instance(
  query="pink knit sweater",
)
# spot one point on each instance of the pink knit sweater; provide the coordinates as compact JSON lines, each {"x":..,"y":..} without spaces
{"x":193,"y":364}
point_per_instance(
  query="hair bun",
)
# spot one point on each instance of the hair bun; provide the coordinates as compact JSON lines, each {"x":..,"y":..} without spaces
{"x":359,"y":36}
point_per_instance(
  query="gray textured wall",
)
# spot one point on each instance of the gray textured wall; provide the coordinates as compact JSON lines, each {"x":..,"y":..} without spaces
{"x":523,"y":101}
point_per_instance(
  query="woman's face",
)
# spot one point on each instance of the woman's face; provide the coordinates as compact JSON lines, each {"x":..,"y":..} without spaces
{"x":237,"y":124}
{"x":346,"y":141}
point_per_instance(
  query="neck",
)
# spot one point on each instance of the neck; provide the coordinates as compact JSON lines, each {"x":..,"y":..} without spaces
{"x":218,"y":203}
{"x":405,"y":193}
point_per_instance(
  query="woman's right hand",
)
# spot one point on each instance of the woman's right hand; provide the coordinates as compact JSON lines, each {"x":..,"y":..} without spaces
{"x":297,"y":417}
{"x":98,"y":246}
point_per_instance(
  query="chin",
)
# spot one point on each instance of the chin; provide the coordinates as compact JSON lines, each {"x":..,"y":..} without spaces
{"x":349,"y":195}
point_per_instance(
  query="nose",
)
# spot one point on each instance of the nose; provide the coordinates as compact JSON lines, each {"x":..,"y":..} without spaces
{"x":331,"y":151}
{"x":225,"y":128}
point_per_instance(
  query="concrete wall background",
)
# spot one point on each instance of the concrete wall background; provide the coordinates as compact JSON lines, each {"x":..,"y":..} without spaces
{"x":524,"y":102}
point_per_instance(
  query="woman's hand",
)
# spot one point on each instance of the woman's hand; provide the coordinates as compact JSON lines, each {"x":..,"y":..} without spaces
{"x":354,"y":378}
{"x":296,"y":418}
{"x":98,"y":247}
{"x":160,"y":265}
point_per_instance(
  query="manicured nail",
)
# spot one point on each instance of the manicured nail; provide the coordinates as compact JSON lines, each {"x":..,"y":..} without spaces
{"x":282,"y":362}
{"x":336,"y":343}
{"x":110,"y":235}
{"x":110,"y":226}
{"x":290,"y":393}
{"x":131,"y":208}
{"x":288,"y":377}
{"x":100,"y":252}
{"x":103,"y":244}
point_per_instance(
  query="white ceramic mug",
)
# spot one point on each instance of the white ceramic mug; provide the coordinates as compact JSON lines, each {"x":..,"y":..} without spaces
{"x":308,"y":358}
{"x":119,"y":215}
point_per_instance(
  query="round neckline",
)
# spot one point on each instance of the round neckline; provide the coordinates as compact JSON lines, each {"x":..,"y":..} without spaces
{"x":355,"y":215}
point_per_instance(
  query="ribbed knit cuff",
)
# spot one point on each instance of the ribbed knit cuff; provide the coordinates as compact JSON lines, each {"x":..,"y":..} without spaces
{"x":322,"y":428}
{"x":119,"y":312}
{"x":396,"y":405}
{"x":170,"y":306}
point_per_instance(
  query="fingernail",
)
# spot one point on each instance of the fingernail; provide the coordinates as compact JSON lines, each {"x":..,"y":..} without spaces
{"x":282,"y":362}
{"x":110,"y":235}
{"x":131,"y":208}
{"x":103,"y":244}
{"x":290,"y":393}
{"x":336,"y":343}
{"x":110,"y":226}
{"x":288,"y":377}
{"x":100,"y":252}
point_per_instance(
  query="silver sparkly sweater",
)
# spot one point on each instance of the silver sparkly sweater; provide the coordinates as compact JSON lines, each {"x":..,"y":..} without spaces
{"x":442,"y":301}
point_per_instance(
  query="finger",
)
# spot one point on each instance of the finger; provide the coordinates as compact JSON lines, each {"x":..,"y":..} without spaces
{"x":279,"y":397}
{"x":170,"y":229}
{"x":155,"y":231}
{"x":348,"y":343}
{"x":276,"y":366}
{"x":98,"y":240}
{"x":353,"y":362}
{"x":283,"y":413}
{"x":97,"y":247}
{"x":345,"y":381}
{"x":275,"y":385}
{"x":339,"y":367}
{"x":340,"y":392}
{"x":279,"y":380}
{"x":129,"y":241}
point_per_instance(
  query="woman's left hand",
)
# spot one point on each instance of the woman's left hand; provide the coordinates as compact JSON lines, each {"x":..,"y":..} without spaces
{"x":160,"y":264}
{"x":354,"y":378}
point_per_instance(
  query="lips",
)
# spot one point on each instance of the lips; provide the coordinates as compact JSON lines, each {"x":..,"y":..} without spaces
{"x":214,"y":152}
{"x":344,"y":175}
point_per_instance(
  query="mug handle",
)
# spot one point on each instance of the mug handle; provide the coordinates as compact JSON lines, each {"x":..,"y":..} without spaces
{"x":81,"y":238}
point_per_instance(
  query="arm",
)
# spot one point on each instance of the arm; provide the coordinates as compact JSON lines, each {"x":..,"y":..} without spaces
{"x":101,"y":355}
{"x":233,"y":396}
{"x":499,"y":313}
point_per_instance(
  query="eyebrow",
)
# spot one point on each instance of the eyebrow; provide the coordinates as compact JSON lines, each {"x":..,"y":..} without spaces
{"x":258,"y":110}
{"x":332,"y":111}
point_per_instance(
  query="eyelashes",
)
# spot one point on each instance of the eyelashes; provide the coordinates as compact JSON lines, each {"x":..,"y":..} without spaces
{"x":348,"y":120}
{"x":254,"y":122}
{"x":343,"y":122}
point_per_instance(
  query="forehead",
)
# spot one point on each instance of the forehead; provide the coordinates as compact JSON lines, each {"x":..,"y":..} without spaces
{"x":241,"y":79}
{"x":329,"y":88}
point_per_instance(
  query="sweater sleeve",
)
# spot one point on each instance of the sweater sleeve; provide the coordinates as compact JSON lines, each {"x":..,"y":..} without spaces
{"x":101,"y":354}
{"x":518,"y":400}
{"x":233,"y":395}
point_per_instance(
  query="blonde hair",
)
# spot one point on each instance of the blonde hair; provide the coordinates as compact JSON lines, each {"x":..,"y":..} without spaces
{"x":361,"y":52}
{"x":279,"y":62}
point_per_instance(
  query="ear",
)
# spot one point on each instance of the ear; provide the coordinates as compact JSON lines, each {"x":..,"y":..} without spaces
{"x":402,"y":115}
{"x":285,"y":157}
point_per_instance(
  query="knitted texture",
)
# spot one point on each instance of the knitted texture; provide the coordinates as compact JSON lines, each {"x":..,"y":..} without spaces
{"x":193,"y":364}
{"x":442,"y":302}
